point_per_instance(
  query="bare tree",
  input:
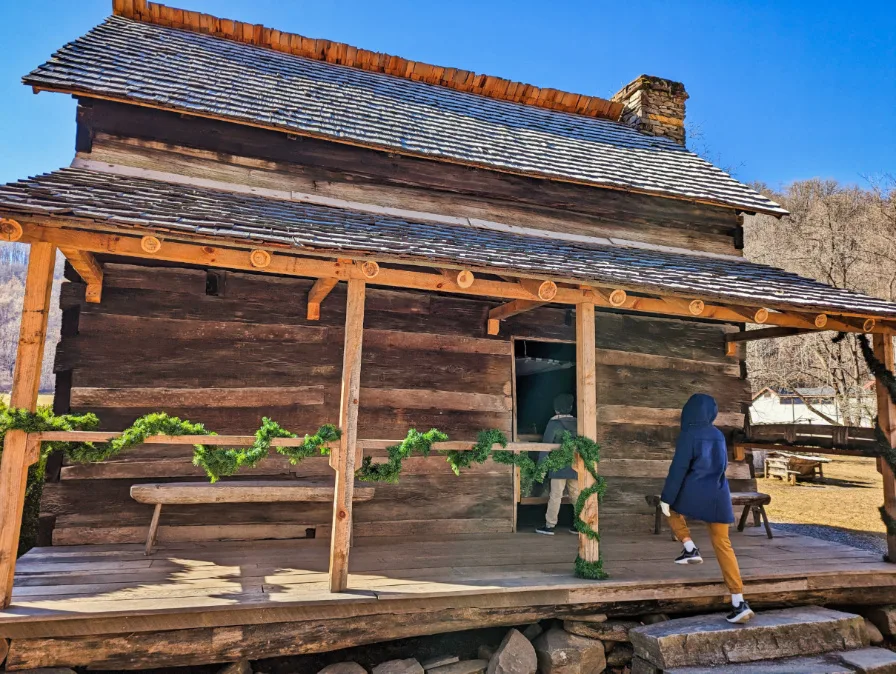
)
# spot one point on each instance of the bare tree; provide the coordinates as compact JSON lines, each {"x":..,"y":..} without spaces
{"x":846,"y":237}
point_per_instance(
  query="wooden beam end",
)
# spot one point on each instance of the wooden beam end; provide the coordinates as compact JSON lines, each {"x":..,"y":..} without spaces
{"x":731,"y":349}
{"x":494,"y":326}
{"x":313,"y":311}
{"x":94,"y":292}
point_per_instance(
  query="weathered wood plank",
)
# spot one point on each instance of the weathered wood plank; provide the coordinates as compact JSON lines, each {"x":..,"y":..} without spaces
{"x":169,"y":398}
{"x":343,"y":461}
{"x":587,"y":401}
{"x":249,"y":491}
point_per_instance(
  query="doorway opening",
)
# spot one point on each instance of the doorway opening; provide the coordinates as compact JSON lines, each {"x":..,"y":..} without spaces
{"x":543,"y":370}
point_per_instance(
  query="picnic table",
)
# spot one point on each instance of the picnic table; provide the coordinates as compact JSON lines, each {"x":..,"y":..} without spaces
{"x":790,"y":467}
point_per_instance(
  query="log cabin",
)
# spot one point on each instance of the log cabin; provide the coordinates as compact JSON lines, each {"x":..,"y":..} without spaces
{"x":260,"y":224}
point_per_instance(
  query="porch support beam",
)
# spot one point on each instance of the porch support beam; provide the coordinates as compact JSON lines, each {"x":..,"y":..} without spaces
{"x":498,"y":314}
{"x":285,"y":262}
{"x":886,"y":417}
{"x":317,"y":294}
{"x":343,"y":461}
{"x":586,"y":395}
{"x":765,"y":333}
{"x":90,"y":271}
{"x":25,"y":382}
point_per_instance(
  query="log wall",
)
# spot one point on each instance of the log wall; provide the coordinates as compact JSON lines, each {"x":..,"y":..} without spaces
{"x":159,"y":341}
{"x":162,"y":141}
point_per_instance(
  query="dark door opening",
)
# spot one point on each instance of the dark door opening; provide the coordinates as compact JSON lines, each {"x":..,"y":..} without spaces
{"x":543,"y":370}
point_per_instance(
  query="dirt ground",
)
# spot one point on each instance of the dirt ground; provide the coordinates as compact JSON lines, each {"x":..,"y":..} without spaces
{"x":843,"y":508}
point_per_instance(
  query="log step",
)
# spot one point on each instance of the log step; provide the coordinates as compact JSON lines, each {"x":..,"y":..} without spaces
{"x":707,"y":640}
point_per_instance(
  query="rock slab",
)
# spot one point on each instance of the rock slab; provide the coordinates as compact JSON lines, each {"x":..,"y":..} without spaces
{"x":515,"y":655}
{"x":407,"y":666}
{"x":611,"y":630}
{"x":813,"y":665}
{"x":869,"y":660}
{"x":560,"y":652}
{"x":620,"y":655}
{"x":462,"y":667}
{"x":432,"y":663}
{"x":873,"y":634}
{"x":709,"y":640}
{"x":343,"y":668}
{"x":884,"y":617}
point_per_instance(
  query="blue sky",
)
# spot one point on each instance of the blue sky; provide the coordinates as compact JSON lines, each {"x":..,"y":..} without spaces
{"x":780,"y":90}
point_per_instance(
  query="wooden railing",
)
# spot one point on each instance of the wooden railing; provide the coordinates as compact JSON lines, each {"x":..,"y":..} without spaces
{"x":820,"y":438}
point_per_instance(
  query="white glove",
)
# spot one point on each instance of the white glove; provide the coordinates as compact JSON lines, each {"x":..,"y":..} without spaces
{"x":665,"y":508}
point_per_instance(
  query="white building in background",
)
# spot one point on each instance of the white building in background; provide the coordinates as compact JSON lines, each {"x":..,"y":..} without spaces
{"x":784,"y":406}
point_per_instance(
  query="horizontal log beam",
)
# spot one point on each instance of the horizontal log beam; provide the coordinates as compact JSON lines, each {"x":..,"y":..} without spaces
{"x":498,"y":314}
{"x":248,"y":440}
{"x":765,"y":333}
{"x":288,"y":264}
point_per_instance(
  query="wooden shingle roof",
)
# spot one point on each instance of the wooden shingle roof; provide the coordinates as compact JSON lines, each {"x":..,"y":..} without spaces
{"x":133,"y":202}
{"x":158,"y":66}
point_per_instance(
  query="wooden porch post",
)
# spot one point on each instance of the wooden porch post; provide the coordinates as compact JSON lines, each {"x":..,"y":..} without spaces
{"x":886,"y":414}
{"x":586,"y":395}
{"x":25,"y":383}
{"x":344,"y":461}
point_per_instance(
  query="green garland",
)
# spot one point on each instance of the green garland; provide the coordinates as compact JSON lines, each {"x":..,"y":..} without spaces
{"x":34,"y":422}
{"x":217,"y":462}
{"x":530,"y":471}
{"x":391,"y":469}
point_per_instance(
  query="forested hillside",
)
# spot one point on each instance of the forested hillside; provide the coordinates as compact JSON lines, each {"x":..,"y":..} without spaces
{"x":13,"y":262}
{"x":844,"y":236}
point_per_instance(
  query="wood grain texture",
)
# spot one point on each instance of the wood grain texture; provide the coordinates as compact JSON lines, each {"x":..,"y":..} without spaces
{"x":249,"y":491}
{"x":109,"y":606}
{"x":587,"y":417}
{"x":343,"y":461}
{"x":217,"y":149}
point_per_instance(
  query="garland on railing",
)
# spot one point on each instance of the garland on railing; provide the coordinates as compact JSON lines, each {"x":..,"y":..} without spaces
{"x":391,"y":469}
{"x":530,"y":471}
{"x":882,"y":447}
{"x":222,"y":461}
{"x":217,"y":462}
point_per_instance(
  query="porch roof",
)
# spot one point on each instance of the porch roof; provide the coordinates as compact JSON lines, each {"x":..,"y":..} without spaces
{"x":162,"y":67}
{"x":312,"y":228}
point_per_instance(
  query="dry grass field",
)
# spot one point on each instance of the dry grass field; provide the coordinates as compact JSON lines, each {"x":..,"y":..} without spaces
{"x":843,"y":508}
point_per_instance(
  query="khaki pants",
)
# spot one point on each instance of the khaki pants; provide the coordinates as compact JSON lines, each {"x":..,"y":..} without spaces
{"x":557,"y":488}
{"x":721,"y":543}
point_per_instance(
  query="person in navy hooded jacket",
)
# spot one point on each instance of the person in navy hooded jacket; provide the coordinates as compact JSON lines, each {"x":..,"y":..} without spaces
{"x":696,"y":487}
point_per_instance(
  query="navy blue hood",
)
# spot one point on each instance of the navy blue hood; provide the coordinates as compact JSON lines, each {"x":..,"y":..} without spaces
{"x":700,"y":410}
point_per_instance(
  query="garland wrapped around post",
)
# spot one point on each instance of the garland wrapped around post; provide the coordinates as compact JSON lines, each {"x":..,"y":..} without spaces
{"x":530,"y":471}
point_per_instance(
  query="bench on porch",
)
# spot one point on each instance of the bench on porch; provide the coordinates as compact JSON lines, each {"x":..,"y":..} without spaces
{"x":751,"y":501}
{"x":252,"y":491}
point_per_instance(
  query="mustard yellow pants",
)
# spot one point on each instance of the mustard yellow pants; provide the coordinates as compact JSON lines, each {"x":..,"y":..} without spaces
{"x":721,"y":543}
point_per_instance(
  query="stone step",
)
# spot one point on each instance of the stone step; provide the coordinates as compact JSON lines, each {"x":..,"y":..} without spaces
{"x":705,"y":640}
{"x":862,"y":661}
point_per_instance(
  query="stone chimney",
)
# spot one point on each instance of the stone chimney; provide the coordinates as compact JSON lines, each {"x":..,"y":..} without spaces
{"x":654,"y":106}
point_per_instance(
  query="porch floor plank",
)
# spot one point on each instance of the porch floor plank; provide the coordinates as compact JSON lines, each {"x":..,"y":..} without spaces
{"x":83,"y":589}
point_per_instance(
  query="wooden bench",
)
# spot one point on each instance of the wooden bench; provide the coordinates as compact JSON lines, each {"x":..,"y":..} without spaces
{"x":752,"y":501}
{"x":255,"y":491}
